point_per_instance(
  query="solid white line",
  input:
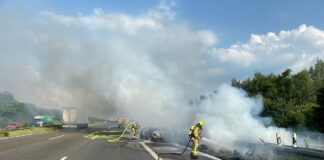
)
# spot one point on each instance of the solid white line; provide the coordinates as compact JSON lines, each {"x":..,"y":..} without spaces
{"x":56,"y":137}
{"x":64,"y":158}
{"x":149,"y":150}
{"x":208,"y":156}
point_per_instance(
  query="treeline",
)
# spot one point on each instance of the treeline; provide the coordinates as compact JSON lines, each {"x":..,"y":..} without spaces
{"x":291,"y":100}
{"x":13,"y":111}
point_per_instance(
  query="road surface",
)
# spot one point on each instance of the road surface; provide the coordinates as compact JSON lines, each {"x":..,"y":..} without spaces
{"x":72,"y":145}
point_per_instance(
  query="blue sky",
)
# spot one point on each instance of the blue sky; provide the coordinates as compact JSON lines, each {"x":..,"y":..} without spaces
{"x":235,"y":20}
{"x":232,"y":20}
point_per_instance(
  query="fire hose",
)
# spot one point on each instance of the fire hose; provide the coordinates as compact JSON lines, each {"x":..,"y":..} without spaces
{"x":116,"y":138}
{"x":110,"y":138}
{"x":178,"y":154}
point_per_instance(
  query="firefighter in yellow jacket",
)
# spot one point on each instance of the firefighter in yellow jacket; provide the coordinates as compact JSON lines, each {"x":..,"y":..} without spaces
{"x":195,"y":135}
{"x":134,"y":128}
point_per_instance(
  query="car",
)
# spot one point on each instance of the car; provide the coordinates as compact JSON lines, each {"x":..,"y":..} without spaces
{"x":154,"y":134}
{"x":12,"y":126}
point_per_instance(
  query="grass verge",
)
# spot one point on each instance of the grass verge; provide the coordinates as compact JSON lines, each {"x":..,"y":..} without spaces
{"x":33,"y":130}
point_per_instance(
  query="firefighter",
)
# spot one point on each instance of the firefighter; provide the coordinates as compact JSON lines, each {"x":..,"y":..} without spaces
{"x":294,"y":140}
{"x":195,"y":135}
{"x":134,"y":128}
{"x":278,"y":138}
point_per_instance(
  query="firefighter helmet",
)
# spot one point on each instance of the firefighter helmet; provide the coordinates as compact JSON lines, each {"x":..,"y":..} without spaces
{"x":200,"y":123}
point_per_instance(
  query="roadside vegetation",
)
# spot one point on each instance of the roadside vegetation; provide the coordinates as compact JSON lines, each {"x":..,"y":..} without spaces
{"x":26,"y":131}
{"x":14,"y":112}
{"x":16,"y":117}
{"x":4,"y":133}
{"x":292,"y":100}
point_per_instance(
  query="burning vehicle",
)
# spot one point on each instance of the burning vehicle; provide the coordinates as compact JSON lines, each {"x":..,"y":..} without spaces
{"x":121,"y":121}
{"x":155,"y":134}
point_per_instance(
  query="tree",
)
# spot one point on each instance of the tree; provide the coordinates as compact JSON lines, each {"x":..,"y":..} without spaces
{"x":290,"y":99}
{"x":317,"y":74}
{"x":319,"y":117}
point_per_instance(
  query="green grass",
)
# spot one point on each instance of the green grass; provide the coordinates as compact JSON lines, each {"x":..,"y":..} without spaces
{"x":33,"y":130}
{"x":4,"y":133}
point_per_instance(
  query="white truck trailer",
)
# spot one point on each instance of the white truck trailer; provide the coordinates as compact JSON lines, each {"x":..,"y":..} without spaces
{"x":73,"y":119}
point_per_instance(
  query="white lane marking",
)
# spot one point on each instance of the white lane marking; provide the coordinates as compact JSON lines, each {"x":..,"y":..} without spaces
{"x":168,"y":149}
{"x":56,"y":137}
{"x":64,"y":158}
{"x":201,"y":153}
{"x":149,"y":150}
{"x":208,"y":156}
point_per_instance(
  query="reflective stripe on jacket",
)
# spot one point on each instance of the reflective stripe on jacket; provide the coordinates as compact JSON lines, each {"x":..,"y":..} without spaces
{"x":196,"y":132}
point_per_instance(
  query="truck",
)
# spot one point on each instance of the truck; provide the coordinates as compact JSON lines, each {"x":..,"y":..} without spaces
{"x":73,"y":119}
{"x":42,"y":121}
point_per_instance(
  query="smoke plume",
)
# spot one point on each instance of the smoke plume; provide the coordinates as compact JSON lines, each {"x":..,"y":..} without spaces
{"x":106,"y":64}
{"x":232,"y":117}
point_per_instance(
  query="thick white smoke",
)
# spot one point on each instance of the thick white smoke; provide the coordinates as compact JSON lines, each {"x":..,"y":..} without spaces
{"x":106,"y":64}
{"x":231,"y":117}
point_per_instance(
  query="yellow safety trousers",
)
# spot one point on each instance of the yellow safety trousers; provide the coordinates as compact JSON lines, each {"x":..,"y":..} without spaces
{"x":195,"y":141}
{"x":194,"y":151}
{"x":134,"y":132}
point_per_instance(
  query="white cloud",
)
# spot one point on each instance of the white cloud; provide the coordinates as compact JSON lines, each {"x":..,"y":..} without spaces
{"x":163,"y":10}
{"x":99,"y":20}
{"x":235,"y":55}
{"x":297,"y":49}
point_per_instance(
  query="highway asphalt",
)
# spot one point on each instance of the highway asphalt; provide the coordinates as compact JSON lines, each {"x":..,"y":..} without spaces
{"x":164,"y":150}
{"x":72,"y":145}
{"x":48,"y":146}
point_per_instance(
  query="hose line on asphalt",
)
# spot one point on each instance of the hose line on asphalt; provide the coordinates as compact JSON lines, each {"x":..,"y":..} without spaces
{"x":178,"y":154}
{"x":110,"y":138}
